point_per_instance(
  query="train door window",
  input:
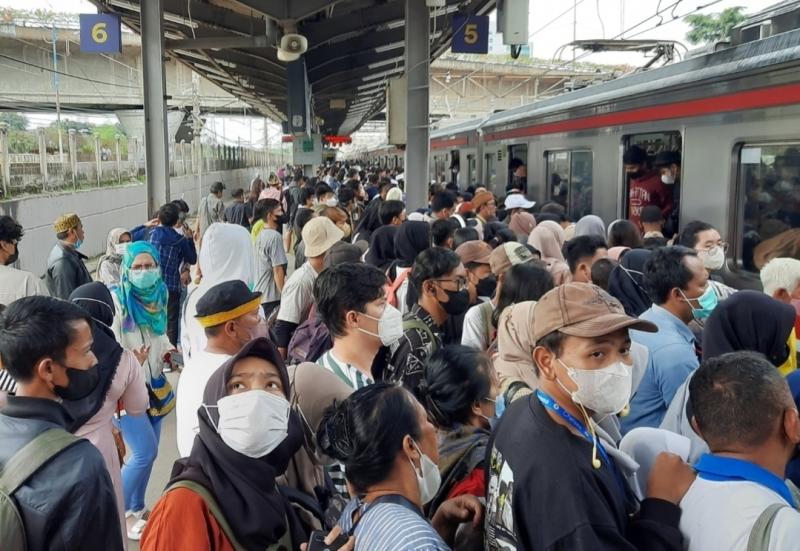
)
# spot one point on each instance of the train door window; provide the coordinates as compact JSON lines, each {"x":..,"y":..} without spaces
{"x":491,"y":170}
{"x":648,"y":178}
{"x":471,"y":170}
{"x":570,"y":181}
{"x":454,"y":167}
{"x":517,"y":154}
{"x":768,"y":203}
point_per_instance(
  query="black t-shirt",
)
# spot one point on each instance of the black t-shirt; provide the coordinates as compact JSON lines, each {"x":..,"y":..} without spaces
{"x":544,"y":494}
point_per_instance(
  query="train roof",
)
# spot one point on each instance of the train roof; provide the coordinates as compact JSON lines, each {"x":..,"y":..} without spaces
{"x":753,"y":56}
{"x":458,"y":128}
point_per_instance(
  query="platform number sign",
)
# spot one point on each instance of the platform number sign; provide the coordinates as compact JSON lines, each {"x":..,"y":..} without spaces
{"x":470,"y":34}
{"x":100,"y":33}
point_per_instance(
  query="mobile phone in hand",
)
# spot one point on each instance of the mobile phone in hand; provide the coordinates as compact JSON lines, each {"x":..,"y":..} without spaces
{"x":317,"y":542}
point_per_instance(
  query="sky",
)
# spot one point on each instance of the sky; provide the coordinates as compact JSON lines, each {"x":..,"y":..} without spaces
{"x":550,"y":25}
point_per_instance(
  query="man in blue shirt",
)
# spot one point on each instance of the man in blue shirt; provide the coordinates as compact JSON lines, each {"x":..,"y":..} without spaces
{"x":676,"y":281}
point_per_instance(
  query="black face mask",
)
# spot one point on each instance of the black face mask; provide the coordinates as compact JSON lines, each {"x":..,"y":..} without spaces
{"x":282,"y":219}
{"x":81,"y":383}
{"x":635,"y":174}
{"x":457,"y":302}
{"x":486,"y":287}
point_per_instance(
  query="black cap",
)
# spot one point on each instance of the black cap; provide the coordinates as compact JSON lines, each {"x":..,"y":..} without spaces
{"x":229,"y":297}
{"x":666,"y":158}
{"x":216,"y":187}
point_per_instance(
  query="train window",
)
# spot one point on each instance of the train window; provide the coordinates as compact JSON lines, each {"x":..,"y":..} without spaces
{"x":570,"y":181}
{"x":518,"y":153}
{"x":491,"y":170}
{"x":769,"y":203}
{"x":652,"y":143}
{"x":471,"y":170}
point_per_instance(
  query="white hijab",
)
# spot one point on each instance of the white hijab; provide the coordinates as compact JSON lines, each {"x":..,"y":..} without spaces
{"x":226,"y":255}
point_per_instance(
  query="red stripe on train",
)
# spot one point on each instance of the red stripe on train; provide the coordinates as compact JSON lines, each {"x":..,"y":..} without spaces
{"x":739,"y":101}
{"x":448,"y":142}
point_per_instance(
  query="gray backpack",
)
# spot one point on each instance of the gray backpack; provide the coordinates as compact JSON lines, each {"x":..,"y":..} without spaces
{"x":22,"y":465}
{"x":762,"y":529}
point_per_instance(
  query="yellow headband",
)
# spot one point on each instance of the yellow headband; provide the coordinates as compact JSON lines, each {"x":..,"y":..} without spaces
{"x":222,"y":317}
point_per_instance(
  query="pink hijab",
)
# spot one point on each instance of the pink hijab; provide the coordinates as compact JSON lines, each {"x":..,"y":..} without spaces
{"x":522,"y":223}
{"x":548,"y":238}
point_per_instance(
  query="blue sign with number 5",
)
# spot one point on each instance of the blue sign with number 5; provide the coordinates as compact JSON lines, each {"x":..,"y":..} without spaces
{"x":470,"y":34}
{"x":100,"y":33}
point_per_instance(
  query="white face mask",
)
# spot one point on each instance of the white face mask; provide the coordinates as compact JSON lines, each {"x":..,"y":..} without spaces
{"x":605,"y":391}
{"x":390,"y":325}
{"x":332,"y":202}
{"x":428,"y":477}
{"x":120,"y":248}
{"x":668,"y":179}
{"x":713,"y":258}
{"x":253,"y":423}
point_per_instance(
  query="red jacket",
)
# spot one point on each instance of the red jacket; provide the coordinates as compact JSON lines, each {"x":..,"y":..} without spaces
{"x":648,"y":190}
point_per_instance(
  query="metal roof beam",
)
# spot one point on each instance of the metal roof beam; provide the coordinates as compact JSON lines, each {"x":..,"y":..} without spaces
{"x":320,"y":32}
{"x":288,"y":9}
{"x":221,"y":42}
{"x":213,"y":16}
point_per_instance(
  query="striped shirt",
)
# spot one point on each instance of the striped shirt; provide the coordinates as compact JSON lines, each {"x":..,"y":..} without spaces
{"x":355,"y":379}
{"x":391,"y":527}
{"x":7,"y":382}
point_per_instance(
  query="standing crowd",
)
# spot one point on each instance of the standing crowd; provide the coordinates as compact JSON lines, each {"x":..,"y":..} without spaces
{"x":484,"y":373}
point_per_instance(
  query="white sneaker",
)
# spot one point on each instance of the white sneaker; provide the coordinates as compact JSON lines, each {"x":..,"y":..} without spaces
{"x":135,"y":523}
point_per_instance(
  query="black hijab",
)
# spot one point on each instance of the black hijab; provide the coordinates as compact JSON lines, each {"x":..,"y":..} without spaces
{"x":381,"y":252}
{"x":749,"y":320}
{"x":95,"y":298}
{"x":412,"y":237}
{"x":626,"y":282}
{"x":244,"y":487}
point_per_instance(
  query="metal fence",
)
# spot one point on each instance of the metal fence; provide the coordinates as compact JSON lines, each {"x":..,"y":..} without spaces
{"x":87,"y":163}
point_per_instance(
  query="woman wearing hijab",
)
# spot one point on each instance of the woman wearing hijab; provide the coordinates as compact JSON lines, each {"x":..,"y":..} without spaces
{"x":226,"y":255}
{"x":381,"y":253}
{"x":109,"y":265}
{"x":624,"y":233}
{"x":522,"y":224}
{"x":747,"y":320}
{"x":120,"y":382}
{"x":412,"y":238}
{"x":224,"y":496}
{"x":514,"y":360}
{"x":140,"y":324}
{"x":590,"y":225}
{"x":626,"y":282}
{"x":548,"y":238}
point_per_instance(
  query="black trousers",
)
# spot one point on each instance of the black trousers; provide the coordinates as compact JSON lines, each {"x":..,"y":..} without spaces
{"x":173,"y":316}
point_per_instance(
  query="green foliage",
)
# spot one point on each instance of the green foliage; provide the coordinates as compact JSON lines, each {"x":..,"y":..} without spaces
{"x":20,"y":141}
{"x":712,"y":27}
{"x":15,"y":121}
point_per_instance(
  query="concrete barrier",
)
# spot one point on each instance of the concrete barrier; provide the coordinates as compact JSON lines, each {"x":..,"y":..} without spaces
{"x":101,"y":210}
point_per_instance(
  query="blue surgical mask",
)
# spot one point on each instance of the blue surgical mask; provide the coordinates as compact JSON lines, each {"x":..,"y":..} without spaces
{"x":78,"y":243}
{"x":144,"y":279}
{"x":707,"y":301}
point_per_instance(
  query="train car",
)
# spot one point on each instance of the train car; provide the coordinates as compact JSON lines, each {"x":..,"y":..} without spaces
{"x":733,"y":115}
{"x":454,"y":154}
{"x":385,"y":156}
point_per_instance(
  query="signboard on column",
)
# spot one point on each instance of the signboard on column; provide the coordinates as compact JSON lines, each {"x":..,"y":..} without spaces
{"x":101,"y":33}
{"x":470,"y":34}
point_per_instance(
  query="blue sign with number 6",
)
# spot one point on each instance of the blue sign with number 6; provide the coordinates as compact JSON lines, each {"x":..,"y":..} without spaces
{"x":470,"y":34}
{"x":100,"y":33}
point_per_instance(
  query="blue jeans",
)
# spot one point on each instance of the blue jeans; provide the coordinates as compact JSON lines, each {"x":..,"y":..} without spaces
{"x":141,"y":433}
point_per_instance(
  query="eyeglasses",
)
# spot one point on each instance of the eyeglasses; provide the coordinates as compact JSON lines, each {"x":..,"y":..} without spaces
{"x":461,"y":282}
{"x":722,"y":245}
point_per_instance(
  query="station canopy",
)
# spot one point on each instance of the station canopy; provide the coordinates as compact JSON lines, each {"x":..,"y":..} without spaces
{"x":354,"y":47}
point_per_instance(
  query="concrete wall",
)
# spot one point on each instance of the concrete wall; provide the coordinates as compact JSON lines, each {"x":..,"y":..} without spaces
{"x":101,"y":210}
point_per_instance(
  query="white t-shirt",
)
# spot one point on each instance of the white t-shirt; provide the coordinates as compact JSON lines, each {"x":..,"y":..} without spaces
{"x":191,"y":386}
{"x":720,"y":515}
{"x":16,"y":284}
{"x":477,"y":330}
{"x":298,"y":295}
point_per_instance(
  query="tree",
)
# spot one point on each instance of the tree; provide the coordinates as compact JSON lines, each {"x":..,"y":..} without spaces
{"x":15,"y":121}
{"x":707,"y":28}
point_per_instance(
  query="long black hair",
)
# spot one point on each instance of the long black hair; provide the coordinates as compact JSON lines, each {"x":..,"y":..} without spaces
{"x":365,"y":432}
{"x":455,"y":378}
{"x":528,"y":281}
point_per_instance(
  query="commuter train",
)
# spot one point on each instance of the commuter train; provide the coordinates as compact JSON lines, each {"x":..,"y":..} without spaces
{"x":733,"y":115}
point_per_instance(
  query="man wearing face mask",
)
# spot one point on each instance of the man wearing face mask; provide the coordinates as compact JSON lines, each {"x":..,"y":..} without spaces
{"x":228,"y":313}
{"x":583,"y":498}
{"x":645,"y":187}
{"x":481,"y":285}
{"x":710,"y":248}
{"x":668,"y":163}
{"x":677,"y":282}
{"x":59,"y":483}
{"x":441,"y":282}
{"x":14,"y":283}
{"x":743,"y":409}
{"x":66,"y":270}
{"x":270,"y":255}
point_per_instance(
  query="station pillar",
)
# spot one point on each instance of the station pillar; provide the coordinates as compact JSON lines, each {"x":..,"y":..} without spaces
{"x":417,"y":63}
{"x":155,"y":106}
